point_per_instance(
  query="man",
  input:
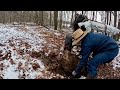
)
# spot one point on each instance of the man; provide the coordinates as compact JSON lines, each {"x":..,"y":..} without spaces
{"x":79,"y":18}
{"x":103,"y":47}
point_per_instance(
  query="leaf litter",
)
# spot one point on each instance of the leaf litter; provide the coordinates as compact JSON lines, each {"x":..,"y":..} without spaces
{"x":34,"y":52}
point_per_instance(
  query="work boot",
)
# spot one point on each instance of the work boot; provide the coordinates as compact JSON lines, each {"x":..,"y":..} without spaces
{"x":75,"y":77}
{"x":91,"y":77}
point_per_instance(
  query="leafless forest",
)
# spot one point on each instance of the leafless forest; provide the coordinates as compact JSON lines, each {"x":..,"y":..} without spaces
{"x":31,"y":43}
{"x":58,"y":19}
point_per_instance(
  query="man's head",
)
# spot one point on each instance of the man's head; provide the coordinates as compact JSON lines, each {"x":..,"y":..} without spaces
{"x":79,"y":18}
{"x":78,"y":35}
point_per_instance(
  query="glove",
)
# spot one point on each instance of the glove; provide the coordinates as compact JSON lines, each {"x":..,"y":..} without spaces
{"x":75,"y":75}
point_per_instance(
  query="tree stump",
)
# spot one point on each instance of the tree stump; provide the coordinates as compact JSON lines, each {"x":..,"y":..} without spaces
{"x":69,"y":62}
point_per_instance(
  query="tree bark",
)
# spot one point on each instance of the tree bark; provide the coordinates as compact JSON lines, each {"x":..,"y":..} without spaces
{"x":55,"y":19}
{"x":82,"y":12}
{"x":42,"y":22}
{"x":75,"y":14}
{"x":107,"y":12}
{"x":119,"y":24}
{"x":60,"y":25}
{"x":115,"y":18}
{"x":93,"y":15}
{"x":72,"y":18}
{"x":110,"y":18}
{"x":50,"y":18}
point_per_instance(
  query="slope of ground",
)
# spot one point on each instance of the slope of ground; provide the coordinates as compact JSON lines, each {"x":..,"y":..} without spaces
{"x":22,"y":49}
{"x":34,"y":52}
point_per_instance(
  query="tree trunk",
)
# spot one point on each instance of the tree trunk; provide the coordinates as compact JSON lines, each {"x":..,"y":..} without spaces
{"x":30,"y":16}
{"x":3,"y":13}
{"x":60,"y":25}
{"x":50,"y":18}
{"x":72,"y":18}
{"x":75,"y":14}
{"x":55,"y":19}
{"x":118,"y":28}
{"x":23,"y":16}
{"x":93,"y":15}
{"x":82,"y":12}
{"x":119,"y":24}
{"x":10,"y":17}
{"x":42,"y":22}
{"x":115,"y":18}
{"x":36,"y":17}
{"x":110,"y":18}
{"x":107,"y":12}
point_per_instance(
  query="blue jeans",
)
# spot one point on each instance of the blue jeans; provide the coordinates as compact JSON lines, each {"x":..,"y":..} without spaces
{"x":100,"y":58}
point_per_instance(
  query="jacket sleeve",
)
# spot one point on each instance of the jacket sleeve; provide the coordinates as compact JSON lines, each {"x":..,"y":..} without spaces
{"x":85,"y":52}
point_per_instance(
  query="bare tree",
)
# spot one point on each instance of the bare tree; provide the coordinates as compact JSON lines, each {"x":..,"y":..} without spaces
{"x":36,"y":17}
{"x":115,"y":18}
{"x":3,"y":16}
{"x":82,"y":12}
{"x":55,"y":19}
{"x":107,"y":16}
{"x":60,"y":24}
{"x":72,"y":17}
{"x":50,"y":18}
{"x":75,"y":13}
{"x":41,"y":17}
{"x":93,"y":15}
{"x":118,"y":24}
{"x":110,"y":18}
{"x":42,"y":22}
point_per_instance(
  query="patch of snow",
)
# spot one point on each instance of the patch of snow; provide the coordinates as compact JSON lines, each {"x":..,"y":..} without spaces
{"x":11,"y":73}
{"x":57,"y":34}
{"x":82,"y":77}
{"x":116,"y":61}
{"x":20,"y":64}
{"x":17,"y":37}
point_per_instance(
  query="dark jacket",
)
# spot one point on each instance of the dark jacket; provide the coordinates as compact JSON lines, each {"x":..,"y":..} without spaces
{"x":96,"y":43}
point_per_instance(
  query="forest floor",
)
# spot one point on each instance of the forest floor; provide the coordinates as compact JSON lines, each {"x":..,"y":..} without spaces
{"x":33,"y":52}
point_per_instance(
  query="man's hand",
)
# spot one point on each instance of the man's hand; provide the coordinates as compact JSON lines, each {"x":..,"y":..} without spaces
{"x":75,"y":75}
